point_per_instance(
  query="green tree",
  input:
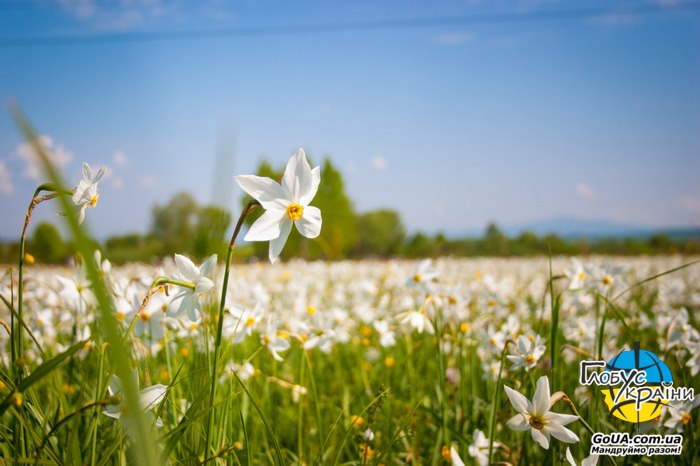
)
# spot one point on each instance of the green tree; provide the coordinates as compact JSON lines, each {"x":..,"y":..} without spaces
{"x":380,"y":233}
{"x":419,"y":245}
{"x":494,"y":242}
{"x":339,"y":232}
{"x":47,"y":245}
{"x":210,"y":231}
{"x":174,"y":224}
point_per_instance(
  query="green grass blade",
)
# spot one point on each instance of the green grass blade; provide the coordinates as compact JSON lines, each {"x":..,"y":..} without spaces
{"x":654,"y":277}
{"x":265,"y":421}
{"x":119,"y":356}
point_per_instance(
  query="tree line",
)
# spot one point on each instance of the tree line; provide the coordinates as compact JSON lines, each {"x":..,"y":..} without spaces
{"x":183,"y":226}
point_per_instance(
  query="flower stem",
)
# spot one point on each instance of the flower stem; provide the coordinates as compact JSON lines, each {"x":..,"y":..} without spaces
{"x":496,"y":397}
{"x":17,"y":343}
{"x":220,"y":323}
{"x":17,"y":339}
{"x":155,"y":286}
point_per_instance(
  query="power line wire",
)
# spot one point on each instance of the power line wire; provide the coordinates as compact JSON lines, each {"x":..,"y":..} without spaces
{"x":354,"y":26}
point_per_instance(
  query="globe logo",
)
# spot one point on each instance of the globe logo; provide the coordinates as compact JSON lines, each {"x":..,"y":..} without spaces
{"x":636,"y":402}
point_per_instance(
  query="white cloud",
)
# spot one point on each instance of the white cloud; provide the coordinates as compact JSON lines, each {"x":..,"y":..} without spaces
{"x":584,"y":190}
{"x":379,"y":163}
{"x":455,"y":38}
{"x":58,"y":155}
{"x":82,"y":9}
{"x":668,"y":3}
{"x":115,"y":16}
{"x":119,"y":21}
{"x":6,"y":186}
{"x":614,"y":19}
{"x":120,"y":159}
{"x":149,"y":182}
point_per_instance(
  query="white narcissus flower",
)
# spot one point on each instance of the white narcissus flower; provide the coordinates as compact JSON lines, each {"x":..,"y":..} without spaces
{"x":275,"y":343}
{"x":417,"y":320}
{"x":285,"y":204}
{"x":529,"y":351}
{"x":680,"y":414}
{"x":591,"y":460}
{"x":149,"y":398}
{"x":454,"y":457}
{"x":424,"y":275}
{"x":85,"y":194}
{"x":479,"y":449}
{"x":186,"y":271}
{"x":536,"y":416}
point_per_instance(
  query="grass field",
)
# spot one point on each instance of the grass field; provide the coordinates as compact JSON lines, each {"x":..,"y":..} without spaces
{"x":368,"y":362}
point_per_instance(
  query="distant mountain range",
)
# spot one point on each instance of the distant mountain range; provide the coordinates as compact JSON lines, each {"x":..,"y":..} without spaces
{"x":570,"y":227}
{"x":575,"y":228}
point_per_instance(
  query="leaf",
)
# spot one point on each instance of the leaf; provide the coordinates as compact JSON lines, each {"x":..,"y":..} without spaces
{"x":42,"y":371}
{"x":119,"y":356}
{"x":268,"y":427}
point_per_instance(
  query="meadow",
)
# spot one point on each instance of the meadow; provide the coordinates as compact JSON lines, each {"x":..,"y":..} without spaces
{"x":365,"y":362}
{"x":422,"y":362}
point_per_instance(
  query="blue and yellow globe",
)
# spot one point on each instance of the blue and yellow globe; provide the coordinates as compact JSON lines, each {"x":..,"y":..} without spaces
{"x":657,"y":372}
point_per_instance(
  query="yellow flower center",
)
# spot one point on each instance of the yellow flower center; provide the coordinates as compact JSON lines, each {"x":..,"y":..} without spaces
{"x":530,"y":359}
{"x":250,"y":321}
{"x":145,"y":316}
{"x":536,"y":422}
{"x":581,"y":275}
{"x":310,"y":310}
{"x":685,"y":419}
{"x":120,"y":316}
{"x":17,"y":400}
{"x":417,"y":278}
{"x":366,"y":451}
{"x":295,"y":211}
{"x":464,"y":327}
{"x":446,"y":455}
{"x":607,"y":280}
{"x":93,"y":200}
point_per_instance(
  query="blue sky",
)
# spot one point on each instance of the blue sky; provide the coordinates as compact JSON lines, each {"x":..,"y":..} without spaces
{"x":496,"y":111}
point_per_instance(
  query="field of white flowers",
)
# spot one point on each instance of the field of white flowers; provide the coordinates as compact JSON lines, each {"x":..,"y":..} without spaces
{"x":350,"y":362}
{"x":368,"y":362}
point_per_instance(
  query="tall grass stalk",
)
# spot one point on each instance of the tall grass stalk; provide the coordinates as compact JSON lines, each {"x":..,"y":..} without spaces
{"x":119,"y":356}
{"x":496,"y":398}
{"x":220,"y":323}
